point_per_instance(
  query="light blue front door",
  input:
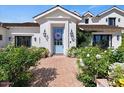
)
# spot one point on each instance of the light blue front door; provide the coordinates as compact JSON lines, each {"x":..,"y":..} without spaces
{"x":58,"y":40}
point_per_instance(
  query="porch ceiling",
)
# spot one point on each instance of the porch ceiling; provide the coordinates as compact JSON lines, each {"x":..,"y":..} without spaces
{"x":100,"y":28}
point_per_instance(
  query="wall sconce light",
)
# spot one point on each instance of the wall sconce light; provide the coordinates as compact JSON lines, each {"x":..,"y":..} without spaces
{"x":35,"y":39}
{"x":9,"y":38}
{"x":72,"y":35}
{"x":44,"y":33}
{"x":106,"y":19}
{"x":39,"y":40}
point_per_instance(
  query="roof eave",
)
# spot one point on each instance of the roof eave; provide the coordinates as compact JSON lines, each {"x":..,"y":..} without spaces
{"x":114,"y":7}
{"x":57,"y":7}
{"x":88,"y":12}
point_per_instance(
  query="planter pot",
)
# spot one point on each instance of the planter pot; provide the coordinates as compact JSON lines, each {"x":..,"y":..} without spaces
{"x":5,"y":84}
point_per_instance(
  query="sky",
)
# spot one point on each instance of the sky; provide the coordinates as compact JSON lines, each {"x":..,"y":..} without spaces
{"x":25,"y":13}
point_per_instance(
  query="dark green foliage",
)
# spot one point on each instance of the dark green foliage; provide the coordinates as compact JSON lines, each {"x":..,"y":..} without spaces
{"x":83,"y":38}
{"x":87,"y":80}
{"x":15,"y":63}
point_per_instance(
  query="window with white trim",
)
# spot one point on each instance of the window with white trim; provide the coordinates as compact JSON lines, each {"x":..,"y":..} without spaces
{"x":86,"y":21}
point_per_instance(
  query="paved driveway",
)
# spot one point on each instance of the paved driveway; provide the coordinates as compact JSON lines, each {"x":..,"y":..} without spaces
{"x":56,"y":71}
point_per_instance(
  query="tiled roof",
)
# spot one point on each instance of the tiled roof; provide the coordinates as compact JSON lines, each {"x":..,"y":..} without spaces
{"x":28,"y":24}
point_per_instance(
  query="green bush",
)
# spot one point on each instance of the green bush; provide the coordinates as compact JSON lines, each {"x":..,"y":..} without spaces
{"x":72,"y":52}
{"x":117,"y":55}
{"x":87,"y":80}
{"x":15,"y":63}
{"x":116,"y":72}
{"x":120,"y":55}
{"x":96,"y":63}
{"x":83,"y":38}
{"x":37,"y":53}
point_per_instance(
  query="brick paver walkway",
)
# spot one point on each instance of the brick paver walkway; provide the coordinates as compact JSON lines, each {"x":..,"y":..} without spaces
{"x":56,"y":71}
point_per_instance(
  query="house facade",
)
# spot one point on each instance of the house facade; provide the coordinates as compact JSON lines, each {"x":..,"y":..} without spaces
{"x":56,"y":28}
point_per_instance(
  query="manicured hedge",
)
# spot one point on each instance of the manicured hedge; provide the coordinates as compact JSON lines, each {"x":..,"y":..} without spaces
{"x":16,"y":61}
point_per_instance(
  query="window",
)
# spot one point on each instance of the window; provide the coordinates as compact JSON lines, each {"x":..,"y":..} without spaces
{"x":103,"y":41}
{"x":23,"y":41}
{"x":86,"y":21}
{"x":118,"y":37}
{"x":111,"y":21}
{"x":1,"y":37}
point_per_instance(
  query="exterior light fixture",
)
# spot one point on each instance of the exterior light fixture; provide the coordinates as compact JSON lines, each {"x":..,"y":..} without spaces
{"x":35,"y":39}
{"x":9,"y":38}
{"x":72,"y":35}
{"x":44,"y":33}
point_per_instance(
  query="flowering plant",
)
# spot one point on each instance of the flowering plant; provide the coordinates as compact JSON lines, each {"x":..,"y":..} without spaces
{"x":116,"y":74}
{"x":121,"y":82}
{"x":94,"y":62}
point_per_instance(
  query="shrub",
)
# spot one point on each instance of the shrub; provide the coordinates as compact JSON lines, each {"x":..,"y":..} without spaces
{"x":116,"y":55}
{"x":72,"y":52}
{"x":116,"y":74}
{"x":96,"y":63}
{"x":87,"y":80}
{"x":15,"y":63}
{"x":120,"y":52}
{"x":120,"y":55}
{"x":83,"y":38}
{"x":36,"y":54}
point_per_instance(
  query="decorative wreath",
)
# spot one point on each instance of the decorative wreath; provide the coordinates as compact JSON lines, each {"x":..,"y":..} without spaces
{"x":58,"y":36}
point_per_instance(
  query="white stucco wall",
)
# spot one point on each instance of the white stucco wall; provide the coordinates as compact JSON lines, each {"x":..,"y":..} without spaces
{"x":102,"y":19}
{"x":24,"y":31}
{"x":18,"y":31}
{"x":44,"y":42}
{"x":72,"y":27}
{"x":47,"y":26}
{"x":115,"y":42}
{"x":87,"y":17}
{"x":3,"y":32}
